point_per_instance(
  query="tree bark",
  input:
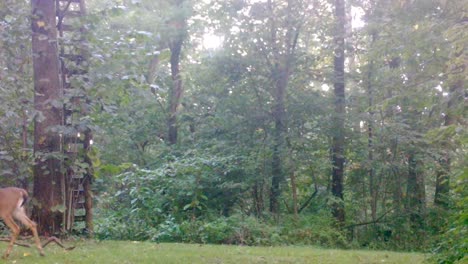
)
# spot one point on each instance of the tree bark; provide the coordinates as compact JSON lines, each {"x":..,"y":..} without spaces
{"x":257,"y":193}
{"x":294,"y":194}
{"x":370,"y":137}
{"x":339,"y":115}
{"x":277,"y":162}
{"x":48,"y":176}
{"x":415,"y":192}
{"x":88,"y":193}
{"x":175,"y":93}
{"x":442,"y":187}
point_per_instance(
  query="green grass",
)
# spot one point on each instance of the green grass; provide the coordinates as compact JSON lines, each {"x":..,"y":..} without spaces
{"x":123,"y":252}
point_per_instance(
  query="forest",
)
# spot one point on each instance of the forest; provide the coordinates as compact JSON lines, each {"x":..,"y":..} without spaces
{"x":331,"y":123}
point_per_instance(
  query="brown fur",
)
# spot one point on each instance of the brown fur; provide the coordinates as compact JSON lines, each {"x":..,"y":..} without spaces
{"x":12,"y":202}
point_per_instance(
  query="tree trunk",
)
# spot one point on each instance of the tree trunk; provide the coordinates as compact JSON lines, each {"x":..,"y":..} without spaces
{"x":283,"y":53}
{"x":294,"y":193}
{"x":257,"y":193}
{"x":442,"y":187}
{"x":415,"y":192}
{"x":48,"y":176}
{"x":370,"y":137}
{"x":88,"y":193}
{"x":175,"y":94}
{"x":277,"y":162}
{"x":339,"y":115}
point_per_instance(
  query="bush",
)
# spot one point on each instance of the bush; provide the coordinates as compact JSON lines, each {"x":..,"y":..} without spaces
{"x":168,"y":231}
{"x":315,"y":229}
{"x":236,"y":230}
{"x":251,"y":231}
{"x":190,"y":200}
{"x":220,"y":231}
{"x":116,"y":229}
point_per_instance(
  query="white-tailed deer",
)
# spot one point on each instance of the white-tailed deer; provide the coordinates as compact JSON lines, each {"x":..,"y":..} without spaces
{"x":11,"y":207}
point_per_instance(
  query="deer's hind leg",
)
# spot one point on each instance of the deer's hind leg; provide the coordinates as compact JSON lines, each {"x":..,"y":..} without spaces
{"x":21,"y":216}
{"x":15,"y":230}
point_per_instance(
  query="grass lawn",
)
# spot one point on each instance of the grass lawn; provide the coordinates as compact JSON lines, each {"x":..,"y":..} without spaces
{"x":144,"y":252}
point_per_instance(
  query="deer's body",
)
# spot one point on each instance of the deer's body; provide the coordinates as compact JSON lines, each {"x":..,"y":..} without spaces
{"x":12,"y":207}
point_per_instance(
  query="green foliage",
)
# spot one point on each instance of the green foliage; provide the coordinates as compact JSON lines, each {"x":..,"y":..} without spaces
{"x":16,"y":108}
{"x":208,"y":188}
{"x":149,"y":206}
{"x":242,"y":230}
{"x":314,"y":229}
{"x":214,"y":185}
{"x":453,"y":245}
{"x":183,"y":201}
{"x":181,"y":189}
{"x":236,"y":229}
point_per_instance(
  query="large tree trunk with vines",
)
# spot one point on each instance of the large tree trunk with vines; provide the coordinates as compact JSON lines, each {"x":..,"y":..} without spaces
{"x":48,"y":176}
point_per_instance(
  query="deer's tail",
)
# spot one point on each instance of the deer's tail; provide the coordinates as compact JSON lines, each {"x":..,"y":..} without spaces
{"x":25,"y":196}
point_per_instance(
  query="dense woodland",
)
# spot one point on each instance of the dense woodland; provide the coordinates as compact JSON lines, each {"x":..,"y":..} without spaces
{"x":261,"y":122}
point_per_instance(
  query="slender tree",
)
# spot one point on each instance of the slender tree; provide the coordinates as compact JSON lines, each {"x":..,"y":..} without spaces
{"x":373,"y":190}
{"x":178,"y":27}
{"x":283,"y":46}
{"x":415,"y":192}
{"x":339,"y":114}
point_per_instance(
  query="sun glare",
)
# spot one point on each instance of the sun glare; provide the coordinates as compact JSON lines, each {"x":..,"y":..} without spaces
{"x":357,"y":15}
{"x":211,"y":41}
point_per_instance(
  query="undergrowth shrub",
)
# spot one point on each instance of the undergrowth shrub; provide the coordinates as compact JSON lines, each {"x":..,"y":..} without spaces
{"x":167,"y":231}
{"x":191,"y":200}
{"x":151,"y":204}
{"x":315,"y":229}
{"x":249,"y":230}
{"x":235,"y":230}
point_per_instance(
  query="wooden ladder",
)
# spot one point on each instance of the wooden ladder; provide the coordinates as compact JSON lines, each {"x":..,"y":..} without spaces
{"x":73,"y":54}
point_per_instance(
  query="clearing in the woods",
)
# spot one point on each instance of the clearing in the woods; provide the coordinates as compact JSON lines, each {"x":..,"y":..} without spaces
{"x":107,"y":252}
